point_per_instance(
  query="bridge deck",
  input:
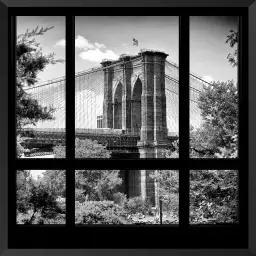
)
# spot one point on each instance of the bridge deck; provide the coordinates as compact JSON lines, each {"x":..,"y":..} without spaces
{"x":113,"y":139}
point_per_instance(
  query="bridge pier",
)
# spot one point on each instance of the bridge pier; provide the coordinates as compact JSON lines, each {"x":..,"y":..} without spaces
{"x":153,"y":139}
{"x":143,"y":105}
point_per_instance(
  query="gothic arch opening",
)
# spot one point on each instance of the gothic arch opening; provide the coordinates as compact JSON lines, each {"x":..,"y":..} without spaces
{"x":136,"y":105}
{"x":118,"y":107}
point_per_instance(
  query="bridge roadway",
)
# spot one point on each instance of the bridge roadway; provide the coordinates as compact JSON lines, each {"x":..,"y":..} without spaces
{"x":118,"y":141}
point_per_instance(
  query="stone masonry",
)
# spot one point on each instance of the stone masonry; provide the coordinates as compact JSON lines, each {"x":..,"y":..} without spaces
{"x":135,"y":101}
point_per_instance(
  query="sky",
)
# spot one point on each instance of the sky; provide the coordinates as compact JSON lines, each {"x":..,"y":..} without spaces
{"x":108,"y":37}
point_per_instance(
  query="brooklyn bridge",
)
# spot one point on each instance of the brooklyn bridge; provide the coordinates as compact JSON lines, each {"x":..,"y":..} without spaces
{"x":131,"y":105}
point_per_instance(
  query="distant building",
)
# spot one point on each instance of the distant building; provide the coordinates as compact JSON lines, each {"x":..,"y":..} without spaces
{"x":100,"y":121}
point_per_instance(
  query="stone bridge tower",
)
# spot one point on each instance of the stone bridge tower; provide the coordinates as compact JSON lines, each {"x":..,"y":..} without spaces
{"x":135,"y":101}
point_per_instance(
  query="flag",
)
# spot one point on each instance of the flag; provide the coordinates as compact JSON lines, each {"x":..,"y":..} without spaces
{"x":135,"y":42}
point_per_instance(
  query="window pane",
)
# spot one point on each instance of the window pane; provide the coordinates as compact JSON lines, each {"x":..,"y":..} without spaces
{"x":213,"y":196}
{"x":40,"y":85}
{"x":127,"y":93}
{"x":213,"y":89}
{"x":41,"y":197}
{"x":126,"y":197}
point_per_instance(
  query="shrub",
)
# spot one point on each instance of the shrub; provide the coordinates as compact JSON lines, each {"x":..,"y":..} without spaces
{"x":97,"y":185}
{"x":138,"y":205}
{"x":59,"y":219}
{"x":214,"y":195}
{"x":171,"y":207}
{"x":79,"y":195}
{"x":100,"y":212}
{"x":120,"y":199}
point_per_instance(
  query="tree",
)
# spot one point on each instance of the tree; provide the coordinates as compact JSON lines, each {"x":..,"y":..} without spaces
{"x":218,"y":103}
{"x":41,"y":201}
{"x":219,"y":110}
{"x":37,"y":199}
{"x":84,"y":149}
{"x":92,"y":184}
{"x":55,"y":182}
{"x":20,"y":148}
{"x":29,"y":62}
{"x":233,"y":41}
{"x":96,"y":185}
{"x":24,"y":182}
{"x":214,"y":195}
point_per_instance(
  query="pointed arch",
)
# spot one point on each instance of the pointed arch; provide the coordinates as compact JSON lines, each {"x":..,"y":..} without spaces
{"x":117,"y":101}
{"x":136,"y":105}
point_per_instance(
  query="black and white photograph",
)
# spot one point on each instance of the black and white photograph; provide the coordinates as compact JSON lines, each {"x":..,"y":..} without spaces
{"x":126,"y":107}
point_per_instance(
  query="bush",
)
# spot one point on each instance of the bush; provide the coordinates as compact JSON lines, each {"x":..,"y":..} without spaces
{"x":96,"y":185}
{"x":171,"y":207}
{"x":100,"y":212}
{"x":138,"y":205}
{"x":214,"y":196}
{"x":79,"y":196}
{"x":120,"y":199}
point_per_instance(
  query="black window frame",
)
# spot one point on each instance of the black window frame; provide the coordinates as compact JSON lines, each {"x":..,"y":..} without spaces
{"x":152,"y":236}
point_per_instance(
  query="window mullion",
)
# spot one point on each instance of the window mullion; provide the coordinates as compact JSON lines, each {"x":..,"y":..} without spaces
{"x":184,"y":120}
{"x":243,"y":152}
{"x":70,"y":120}
{"x":12,"y":152}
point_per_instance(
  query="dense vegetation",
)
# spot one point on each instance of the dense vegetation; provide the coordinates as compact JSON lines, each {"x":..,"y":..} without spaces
{"x":38,"y":201}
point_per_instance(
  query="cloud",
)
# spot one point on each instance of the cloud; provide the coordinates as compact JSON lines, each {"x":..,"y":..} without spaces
{"x":100,"y":45}
{"x":61,"y":42}
{"x":124,"y":44}
{"x":82,"y":43}
{"x":94,"y":52}
{"x":97,"y":55}
{"x":208,"y":79}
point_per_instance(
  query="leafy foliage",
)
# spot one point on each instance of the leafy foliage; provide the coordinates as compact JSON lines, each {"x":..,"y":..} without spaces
{"x":219,"y":110}
{"x":55,"y":181}
{"x":92,"y":184}
{"x":168,"y":189}
{"x":213,"y":196}
{"x":233,"y":41}
{"x":36,"y":204}
{"x":100,"y":212}
{"x":20,"y":149}
{"x":84,"y":149}
{"x":138,"y":205}
{"x":120,"y":198}
{"x":24,"y":183}
{"x":96,"y":185}
{"x":29,"y":62}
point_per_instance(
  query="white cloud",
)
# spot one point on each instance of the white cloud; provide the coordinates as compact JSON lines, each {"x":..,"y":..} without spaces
{"x":208,"y":79}
{"x":124,"y":44}
{"x":61,"y":42}
{"x":82,"y":43}
{"x":97,"y":55}
{"x":100,"y":45}
{"x":94,"y":52}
